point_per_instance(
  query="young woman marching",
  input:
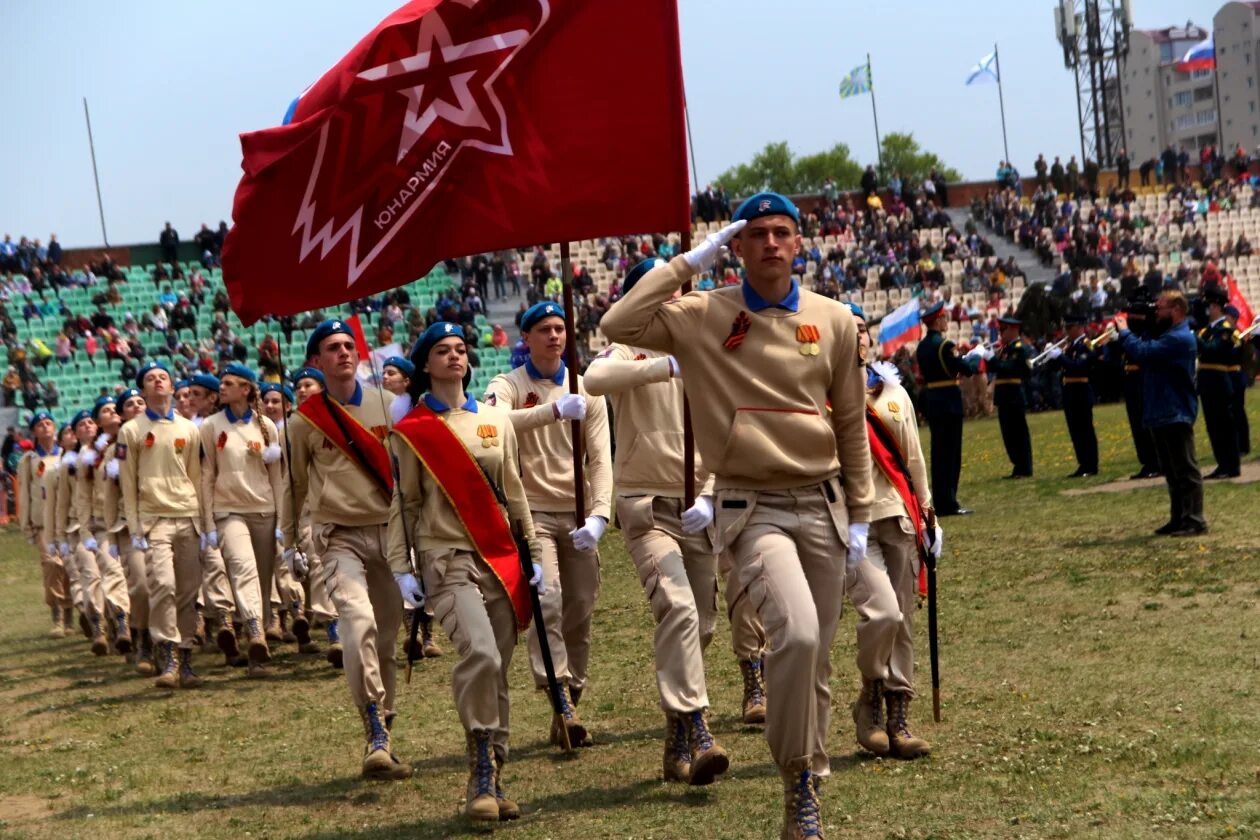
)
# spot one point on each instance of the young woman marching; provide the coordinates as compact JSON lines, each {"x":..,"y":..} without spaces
{"x":283,"y":595}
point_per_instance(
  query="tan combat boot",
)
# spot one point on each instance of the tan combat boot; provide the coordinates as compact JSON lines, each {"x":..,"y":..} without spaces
{"x":225,"y":638}
{"x":868,"y":715}
{"x":335,"y":654}
{"x":259,"y":653}
{"x":754,"y":690}
{"x":480,"y":803}
{"x":122,"y":638}
{"x":508,"y":809}
{"x":802,"y":811}
{"x":301,"y":628}
{"x":58,"y":631}
{"x":901,"y":742}
{"x":379,"y":762}
{"x":578,"y":736}
{"x":275,"y":631}
{"x":187,"y":676}
{"x":144,"y":655}
{"x":708,"y":760}
{"x":67,"y":618}
{"x":677,"y":760}
{"x":169,"y":678}
{"x":428,"y":647}
{"x":100,"y":644}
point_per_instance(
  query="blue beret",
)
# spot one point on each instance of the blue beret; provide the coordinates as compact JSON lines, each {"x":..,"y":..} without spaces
{"x":333,"y":326}
{"x":284,"y":390}
{"x":238,"y":369}
{"x":933,"y":310}
{"x":545,"y":309}
{"x":1008,"y":321}
{"x":858,"y":312}
{"x":766,"y":204}
{"x":308,"y":373}
{"x":206,"y":380}
{"x":39,"y":416}
{"x":80,"y":417}
{"x":124,"y":396}
{"x":405,"y":367}
{"x":100,"y":403}
{"x":426,"y":342}
{"x":635,"y":274}
{"x":182,"y":384}
{"x":148,"y":366}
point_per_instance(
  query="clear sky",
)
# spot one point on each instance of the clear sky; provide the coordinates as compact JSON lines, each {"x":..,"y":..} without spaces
{"x":172,"y":84}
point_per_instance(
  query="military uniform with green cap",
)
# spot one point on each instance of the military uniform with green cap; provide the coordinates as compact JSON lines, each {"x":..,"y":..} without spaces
{"x":1220,"y":357}
{"x":1078,"y":360}
{"x":941,"y":366}
{"x":792,"y":486}
{"x":31,"y":470}
{"x":1010,"y":368}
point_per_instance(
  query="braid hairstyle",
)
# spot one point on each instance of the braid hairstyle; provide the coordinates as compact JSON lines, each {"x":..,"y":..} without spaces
{"x":255,"y":403}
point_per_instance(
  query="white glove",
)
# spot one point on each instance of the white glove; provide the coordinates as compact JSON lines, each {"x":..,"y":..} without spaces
{"x":280,"y":535}
{"x":975,"y":352}
{"x":297,"y":563}
{"x":674,"y":370}
{"x":139,"y":543}
{"x":271,"y":454}
{"x":537,"y":580}
{"x":569,"y":407}
{"x":113,"y":550}
{"x":412,"y":595}
{"x":102,"y":441}
{"x":587,"y":537}
{"x":986,"y":353}
{"x":701,"y":257}
{"x":938,"y":540}
{"x":53,"y":548}
{"x":210,"y":539}
{"x":697,"y":517}
{"x":858,"y":532}
{"x":91,"y":544}
{"x":65,"y":549}
{"x":1054,"y":352}
{"x":88,"y":458}
{"x":111,"y":469}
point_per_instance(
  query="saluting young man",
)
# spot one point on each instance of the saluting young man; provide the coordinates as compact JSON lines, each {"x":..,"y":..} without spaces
{"x":667,"y":540}
{"x":31,"y":470}
{"x":160,"y":471}
{"x":342,"y":466}
{"x":793,"y":491}
{"x":540,"y":406}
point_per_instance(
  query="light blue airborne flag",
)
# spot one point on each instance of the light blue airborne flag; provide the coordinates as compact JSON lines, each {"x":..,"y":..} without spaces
{"x":857,"y":82}
{"x":985,"y":71}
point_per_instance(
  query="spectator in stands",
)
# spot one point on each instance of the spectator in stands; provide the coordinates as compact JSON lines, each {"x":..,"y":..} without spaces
{"x":168,"y":239}
{"x":207,"y":246}
{"x":183,"y":317}
{"x":51,"y":396}
{"x":10,"y":385}
{"x":30,"y":395}
{"x":54,"y":250}
{"x":168,"y":298}
{"x":1122,"y":168}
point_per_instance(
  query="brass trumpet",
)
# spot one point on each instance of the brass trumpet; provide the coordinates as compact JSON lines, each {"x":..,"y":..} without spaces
{"x":1106,"y":336}
{"x":1045,"y":354}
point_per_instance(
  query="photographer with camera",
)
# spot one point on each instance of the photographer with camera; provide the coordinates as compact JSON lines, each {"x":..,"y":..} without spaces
{"x":1140,"y":313}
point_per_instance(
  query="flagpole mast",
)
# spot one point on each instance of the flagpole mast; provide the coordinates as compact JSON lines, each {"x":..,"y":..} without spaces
{"x":571,"y":361}
{"x":879,"y":151}
{"x":100,"y":207}
{"x":691,"y":147}
{"x":997,"y":65}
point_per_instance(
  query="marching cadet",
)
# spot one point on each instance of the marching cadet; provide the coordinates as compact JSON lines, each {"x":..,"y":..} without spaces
{"x":1143,"y":442}
{"x":941,"y":367}
{"x":1010,"y":368}
{"x":667,"y":540}
{"x":128,"y":404}
{"x":160,"y":471}
{"x":240,"y":490}
{"x":55,"y":484}
{"x":90,"y":511}
{"x":759,"y":363}
{"x":456,"y":455}
{"x":342,"y":466}
{"x":183,"y":399}
{"x":308,"y":381}
{"x":283,"y":594}
{"x":31,"y":470}
{"x":1078,"y":360}
{"x":883,"y":587}
{"x":1219,"y":357}
{"x":539,"y":404}
{"x":65,"y":525}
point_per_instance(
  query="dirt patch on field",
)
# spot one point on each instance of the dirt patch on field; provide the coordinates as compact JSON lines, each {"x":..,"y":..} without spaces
{"x":1250,"y":473}
{"x":19,"y":808}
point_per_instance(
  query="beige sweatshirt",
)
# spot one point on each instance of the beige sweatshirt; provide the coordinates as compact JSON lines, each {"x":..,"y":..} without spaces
{"x":159,"y":460}
{"x":433,"y":520}
{"x":31,"y":471}
{"x":53,"y":482}
{"x":89,"y":508}
{"x":647,"y":421}
{"x":893,"y":406}
{"x":545,"y":446}
{"x":60,"y":516}
{"x":234,"y":477}
{"x":759,"y":395}
{"x":336,"y":488}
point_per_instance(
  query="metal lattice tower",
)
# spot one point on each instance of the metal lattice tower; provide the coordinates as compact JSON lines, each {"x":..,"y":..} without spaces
{"x":1094,"y":35}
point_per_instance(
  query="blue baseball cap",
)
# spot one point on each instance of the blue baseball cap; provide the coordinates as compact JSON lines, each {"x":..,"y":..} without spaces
{"x":405,"y":367}
{"x":635,"y":274}
{"x":544,"y":309}
{"x":766,"y":204}
{"x":333,"y":326}
{"x":148,"y":366}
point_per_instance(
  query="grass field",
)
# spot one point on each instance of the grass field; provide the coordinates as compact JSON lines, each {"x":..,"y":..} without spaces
{"x":1098,"y":682}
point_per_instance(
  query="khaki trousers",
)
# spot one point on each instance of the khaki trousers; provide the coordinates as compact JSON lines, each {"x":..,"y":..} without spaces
{"x":216,"y":587}
{"x":113,"y":581}
{"x":893,"y":563}
{"x":362,"y":587}
{"x":78,"y":595}
{"x":279,"y":590}
{"x":247,"y":542}
{"x":789,"y":562}
{"x":93,"y":596}
{"x":679,"y":577}
{"x":133,"y":566}
{"x":321,"y":606}
{"x":475,"y":611}
{"x":748,"y":637}
{"x":174,"y":576}
{"x":56,"y":582}
{"x":572,"y":579}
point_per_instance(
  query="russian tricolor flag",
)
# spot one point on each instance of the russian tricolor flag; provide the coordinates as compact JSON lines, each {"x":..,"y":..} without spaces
{"x":1202,"y":56}
{"x":898,"y":327}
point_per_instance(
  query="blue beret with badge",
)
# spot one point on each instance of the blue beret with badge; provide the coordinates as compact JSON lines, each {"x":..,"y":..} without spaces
{"x":858,"y":312}
{"x":85,"y":414}
{"x":766,"y":204}
{"x":38,"y":417}
{"x":121,"y":399}
{"x":181,"y":384}
{"x":308,"y":373}
{"x":148,"y":366}
{"x":635,"y":274}
{"x":283,"y":390}
{"x":100,"y":403}
{"x":544,"y":309}
{"x":405,"y":367}
{"x":333,"y":326}
{"x":426,"y":342}
{"x":206,"y":380}
{"x":241,"y":371}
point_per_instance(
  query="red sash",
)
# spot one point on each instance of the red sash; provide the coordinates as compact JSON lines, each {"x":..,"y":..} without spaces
{"x":466,"y":487}
{"x":357,"y":442}
{"x":892,"y":463}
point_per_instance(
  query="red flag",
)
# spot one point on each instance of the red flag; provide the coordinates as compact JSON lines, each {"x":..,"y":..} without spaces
{"x":1245,"y":315}
{"x":360,"y":339}
{"x":455,"y":128}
